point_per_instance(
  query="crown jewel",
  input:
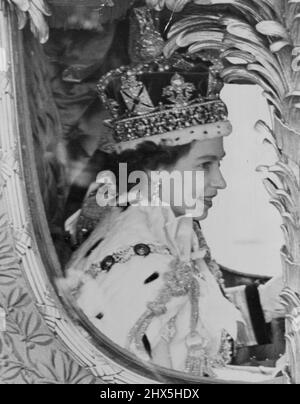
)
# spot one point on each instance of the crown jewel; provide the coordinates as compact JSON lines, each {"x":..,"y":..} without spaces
{"x":158,"y":98}
{"x":162,"y":96}
{"x":135,"y":96}
{"x":179,"y":92}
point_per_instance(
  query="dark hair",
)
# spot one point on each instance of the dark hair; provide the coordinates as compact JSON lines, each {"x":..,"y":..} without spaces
{"x":147,"y":156}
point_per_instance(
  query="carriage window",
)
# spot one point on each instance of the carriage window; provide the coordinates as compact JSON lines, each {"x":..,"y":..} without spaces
{"x":242,"y":220}
{"x":191,"y":267}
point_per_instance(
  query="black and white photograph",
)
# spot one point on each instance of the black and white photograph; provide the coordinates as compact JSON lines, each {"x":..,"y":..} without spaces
{"x":149,"y":194}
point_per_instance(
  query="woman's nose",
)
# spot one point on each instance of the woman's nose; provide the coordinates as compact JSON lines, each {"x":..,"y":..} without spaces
{"x":218,"y":180}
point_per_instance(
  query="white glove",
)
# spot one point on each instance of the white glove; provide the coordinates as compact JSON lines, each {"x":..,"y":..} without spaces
{"x":270,"y":299}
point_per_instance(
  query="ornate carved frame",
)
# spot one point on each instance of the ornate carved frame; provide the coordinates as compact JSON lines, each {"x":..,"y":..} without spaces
{"x":42,"y":343}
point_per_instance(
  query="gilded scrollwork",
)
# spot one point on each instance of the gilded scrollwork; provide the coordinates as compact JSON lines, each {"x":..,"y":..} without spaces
{"x":36,"y":12}
{"x":260,"y":44}
{"x":29,"y":352}
{"x":292,"y":302}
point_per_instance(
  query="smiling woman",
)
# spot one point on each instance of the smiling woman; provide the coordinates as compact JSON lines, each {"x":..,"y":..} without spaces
{"x":132,"y":291}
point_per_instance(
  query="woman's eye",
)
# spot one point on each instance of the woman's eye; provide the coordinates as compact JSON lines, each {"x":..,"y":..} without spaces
{"x":206,"y":166}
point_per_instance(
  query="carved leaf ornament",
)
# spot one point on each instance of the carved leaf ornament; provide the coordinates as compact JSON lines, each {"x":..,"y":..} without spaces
{"x":259,"y":43}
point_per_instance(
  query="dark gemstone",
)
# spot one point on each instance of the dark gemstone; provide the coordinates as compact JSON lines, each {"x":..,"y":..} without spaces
{"x":142,"y":250}
{"x":107,"y":263}
{"x":152,"y":278}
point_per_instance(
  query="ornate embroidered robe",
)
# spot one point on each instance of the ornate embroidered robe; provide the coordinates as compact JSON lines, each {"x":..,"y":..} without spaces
{"x":145,"y":279}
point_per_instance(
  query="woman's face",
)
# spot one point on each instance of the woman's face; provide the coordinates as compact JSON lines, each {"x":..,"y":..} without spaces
{"x":202,"y":162}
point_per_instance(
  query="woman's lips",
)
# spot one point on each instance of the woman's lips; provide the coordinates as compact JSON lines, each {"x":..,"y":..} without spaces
{"x":208,"y":202}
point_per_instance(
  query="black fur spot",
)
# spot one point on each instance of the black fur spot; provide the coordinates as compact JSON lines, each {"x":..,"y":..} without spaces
{"x":147,"y":345}
{"x":152,"y":278}
{"x":93,"y":248}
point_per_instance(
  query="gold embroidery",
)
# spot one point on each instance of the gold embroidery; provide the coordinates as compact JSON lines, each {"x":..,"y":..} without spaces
{"x":181,"y":280}
{"x":124,"y":255}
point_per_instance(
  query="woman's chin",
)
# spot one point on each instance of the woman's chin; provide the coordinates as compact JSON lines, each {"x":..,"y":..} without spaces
{"x":198,"y":214}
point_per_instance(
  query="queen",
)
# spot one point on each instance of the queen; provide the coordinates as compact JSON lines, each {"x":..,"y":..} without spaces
{"x":145,"y":276}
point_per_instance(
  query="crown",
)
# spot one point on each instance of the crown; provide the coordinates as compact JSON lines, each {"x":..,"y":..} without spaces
{"x":173,"y":100}
{"x":162,"y":101}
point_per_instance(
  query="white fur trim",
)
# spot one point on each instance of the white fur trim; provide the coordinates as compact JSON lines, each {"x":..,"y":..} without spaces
{"x":182,"y":136}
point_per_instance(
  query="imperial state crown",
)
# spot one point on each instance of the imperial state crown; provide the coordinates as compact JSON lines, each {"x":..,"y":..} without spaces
{"x":166,"y":100}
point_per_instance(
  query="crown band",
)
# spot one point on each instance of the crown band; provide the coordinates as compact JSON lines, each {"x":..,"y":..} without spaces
{"x":164,"y":98}
{"x":165,"y":121}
